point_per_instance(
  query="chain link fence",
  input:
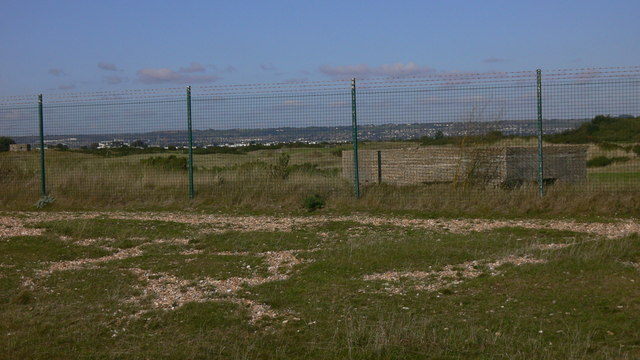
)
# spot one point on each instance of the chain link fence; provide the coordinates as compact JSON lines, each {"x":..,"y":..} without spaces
{"x":560,"y":131}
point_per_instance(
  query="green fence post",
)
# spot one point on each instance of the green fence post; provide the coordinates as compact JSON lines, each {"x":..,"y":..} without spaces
{"x":354,"y":130}
{"x":191,"y":190}
{"x":43,"y":178}
{"x":540,"y":150}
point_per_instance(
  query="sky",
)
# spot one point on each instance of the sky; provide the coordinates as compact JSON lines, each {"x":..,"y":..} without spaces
{"x":82,"y":46}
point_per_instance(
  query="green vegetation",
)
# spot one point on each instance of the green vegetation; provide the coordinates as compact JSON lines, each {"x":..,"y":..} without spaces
{"x":281,"y":168}
{"x":265,"y":180}
{"x":5,"y":142}
{"x":240,"y":150}
{"x":170,"y":162}
{"x":601,"y":129}
{"x":502,"y":293}
{"x":314,"y":202}
{"x":601,"y":161}
{"x":120,"y":151}
{"x":491,"y":137}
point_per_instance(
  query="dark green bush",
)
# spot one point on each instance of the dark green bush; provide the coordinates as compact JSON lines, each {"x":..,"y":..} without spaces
{"x":612,"y":146}
{"x":171,"y":162}
{"x":601,"y":161}
{"x":5,"y":142}
{"x":601,"y":129}
{"x":314,"y":202}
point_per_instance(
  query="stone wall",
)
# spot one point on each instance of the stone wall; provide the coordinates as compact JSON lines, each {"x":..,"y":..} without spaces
{"x":482,"y":165}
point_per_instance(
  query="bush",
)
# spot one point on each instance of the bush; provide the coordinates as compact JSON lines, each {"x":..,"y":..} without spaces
{"x":601,"y":161}
{"x":601,"y":129}
{"x":607,"y":146}
{"x":171,"y":162}
{"x":281,"y":168}
{"x":314,"y":202}
{"x":5,"y":142}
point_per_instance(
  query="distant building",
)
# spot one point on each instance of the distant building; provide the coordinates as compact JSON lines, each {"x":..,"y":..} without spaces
{"x":112,"y":144}
{"x":19,"y":147}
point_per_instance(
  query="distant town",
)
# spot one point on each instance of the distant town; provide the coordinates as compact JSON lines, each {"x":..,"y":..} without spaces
{"x":306,"y":135}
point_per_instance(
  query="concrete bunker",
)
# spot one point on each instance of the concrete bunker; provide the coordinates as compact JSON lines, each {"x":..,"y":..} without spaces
{"x":489,"y":166}
{"x":20,"y":147}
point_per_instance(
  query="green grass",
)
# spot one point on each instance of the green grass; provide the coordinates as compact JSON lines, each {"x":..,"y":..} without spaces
{"x":583,"y":302}
{"x":245,"y":183}
{"x":115,"y":229}
{"x":609,"y":177}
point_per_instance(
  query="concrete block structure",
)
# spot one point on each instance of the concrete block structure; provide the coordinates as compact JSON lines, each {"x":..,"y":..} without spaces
{"x":492,"y":166}
{"x":19,"y":147}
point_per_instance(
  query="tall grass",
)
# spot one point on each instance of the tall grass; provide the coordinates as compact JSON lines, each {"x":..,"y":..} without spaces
{"x":246,"y":182}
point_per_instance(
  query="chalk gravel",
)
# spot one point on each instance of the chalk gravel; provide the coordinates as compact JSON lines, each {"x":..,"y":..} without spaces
{"x":169,"y":292}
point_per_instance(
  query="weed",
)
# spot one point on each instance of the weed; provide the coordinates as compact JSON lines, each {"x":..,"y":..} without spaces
{"x":601,"y":161}
{"x":44,"y":201}
{"x":281,"y":168}
{"x":314,"y":202}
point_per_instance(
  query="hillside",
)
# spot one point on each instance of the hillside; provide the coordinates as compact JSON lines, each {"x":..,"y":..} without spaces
{"x":601,"y":129}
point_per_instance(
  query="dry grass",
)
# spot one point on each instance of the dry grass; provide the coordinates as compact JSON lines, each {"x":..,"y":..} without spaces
{"x":81,"y":181}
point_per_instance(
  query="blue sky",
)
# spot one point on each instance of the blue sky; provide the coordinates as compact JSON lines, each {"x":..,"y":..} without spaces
{"x":77,"y":46}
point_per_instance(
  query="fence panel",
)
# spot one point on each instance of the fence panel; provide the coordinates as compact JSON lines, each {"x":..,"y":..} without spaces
{"x":449,"y":133}
{"x":277,"y":141}
{"x":118,"y":147}
{"x":573,"y":99}
{"x":464,"y":137}
{"x":19,"y":162}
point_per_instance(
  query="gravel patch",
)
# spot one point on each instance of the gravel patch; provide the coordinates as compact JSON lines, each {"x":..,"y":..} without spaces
{"x":11,"y":226}
{"x":450,"y":275}
{"x":221,"y":223}
{"x":552,"y":246}
{"x":169,"y":292}
{"x":83,"y":263}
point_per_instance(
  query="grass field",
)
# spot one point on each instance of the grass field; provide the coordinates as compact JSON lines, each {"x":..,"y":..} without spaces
{"x":108,"y":285}
{"x":246,"y":182}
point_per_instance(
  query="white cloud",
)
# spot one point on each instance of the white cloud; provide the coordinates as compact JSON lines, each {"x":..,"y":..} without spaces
{"x":267,"y":67}
{"x":194,"y":67}
{"x":107,"y":66}
{"x":165,"y":75}
{"x":387,"y":70}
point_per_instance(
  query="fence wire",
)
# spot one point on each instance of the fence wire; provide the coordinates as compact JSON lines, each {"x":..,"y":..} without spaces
{"x":438,"y":135}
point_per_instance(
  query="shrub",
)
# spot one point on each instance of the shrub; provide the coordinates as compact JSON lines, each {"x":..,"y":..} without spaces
{"x":281,"y":168}
{"x":314,"y":202}
{"x":601,"y":161}
{"x":171,"y":162}
{"x":5,"y":142}
{"x":612,"y":146}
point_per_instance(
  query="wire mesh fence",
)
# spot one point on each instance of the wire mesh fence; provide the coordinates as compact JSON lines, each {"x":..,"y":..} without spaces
{"x":560,"y":131}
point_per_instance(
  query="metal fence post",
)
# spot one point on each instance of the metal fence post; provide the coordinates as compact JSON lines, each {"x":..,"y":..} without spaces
{"x":354,"y":130}
{"x":191,"y":190}
{"x":379,"y":167}
{"x":43,"y":178}
{"x":540,"y":149}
